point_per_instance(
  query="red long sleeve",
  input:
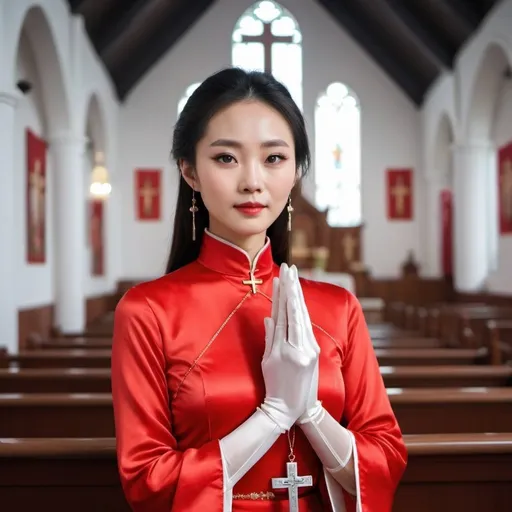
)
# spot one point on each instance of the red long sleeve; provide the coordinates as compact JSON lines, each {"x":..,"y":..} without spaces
{"x":155,"y":475}
{"x":381,"y":453}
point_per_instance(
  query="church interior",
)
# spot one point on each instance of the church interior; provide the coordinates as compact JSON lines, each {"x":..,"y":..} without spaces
{"x":408,"y":205}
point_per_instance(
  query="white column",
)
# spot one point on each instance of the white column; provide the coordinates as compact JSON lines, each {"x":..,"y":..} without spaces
{"x":492,"y":209}
{"x":8,"y":297}
{"x":471,"y":226}
{"x":433,"y":226}
{"x":68,"y":152}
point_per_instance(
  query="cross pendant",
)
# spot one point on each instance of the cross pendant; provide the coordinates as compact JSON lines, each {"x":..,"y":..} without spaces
{"x":252,"y":282}
{"x":292,"y":482}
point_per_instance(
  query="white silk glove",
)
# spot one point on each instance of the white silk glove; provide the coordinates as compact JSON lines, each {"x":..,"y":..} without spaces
{"x":245,"y":446}
{"x":313,"y":406}
{"x":333,"y":445}
{"x":290,"y":358}
{"x":331,"y":441}
{"x":288,"y":366}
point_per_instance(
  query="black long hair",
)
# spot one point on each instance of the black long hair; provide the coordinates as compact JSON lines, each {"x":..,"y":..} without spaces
{"x":216,"y":93}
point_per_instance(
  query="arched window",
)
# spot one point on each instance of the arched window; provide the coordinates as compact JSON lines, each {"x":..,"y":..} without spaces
{"x":186,"y":96}
{"x":267,"y":38}
{"x":338,"y":156}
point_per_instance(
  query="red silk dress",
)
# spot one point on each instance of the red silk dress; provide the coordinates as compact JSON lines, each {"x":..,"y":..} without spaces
{"x":186,"y":371}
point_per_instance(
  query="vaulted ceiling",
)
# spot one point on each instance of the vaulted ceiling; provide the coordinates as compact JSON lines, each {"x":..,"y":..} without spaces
{"x":412,"y":40}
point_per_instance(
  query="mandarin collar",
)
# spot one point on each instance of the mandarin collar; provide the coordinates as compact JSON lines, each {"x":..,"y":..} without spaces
{"x":226,"y":258}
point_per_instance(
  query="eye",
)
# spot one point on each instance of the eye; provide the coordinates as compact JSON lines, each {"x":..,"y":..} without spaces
{"x":224,"y":159}
{"x":275,"y":159}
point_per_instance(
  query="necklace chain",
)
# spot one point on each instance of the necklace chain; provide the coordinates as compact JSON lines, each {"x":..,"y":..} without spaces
{"x":291,"y":444}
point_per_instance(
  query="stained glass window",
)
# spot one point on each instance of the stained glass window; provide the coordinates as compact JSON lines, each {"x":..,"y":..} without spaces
{"x":267,"y":38}
{"x":338,"y":156}
{"x":186,"y":96}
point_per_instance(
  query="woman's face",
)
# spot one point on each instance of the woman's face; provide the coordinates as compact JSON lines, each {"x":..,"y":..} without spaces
{"x":246,"y":156}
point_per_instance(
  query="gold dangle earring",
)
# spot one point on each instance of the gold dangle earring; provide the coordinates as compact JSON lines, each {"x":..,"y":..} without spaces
{"x":290,"y":210}
{"x":193,"y":209}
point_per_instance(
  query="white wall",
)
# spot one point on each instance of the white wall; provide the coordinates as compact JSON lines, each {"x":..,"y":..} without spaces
{"x":56,"y":55}
{"x":476,"y":100}
{"x":390,"y":129}
{"x":95,"y":84}
{"x":35,"y":282}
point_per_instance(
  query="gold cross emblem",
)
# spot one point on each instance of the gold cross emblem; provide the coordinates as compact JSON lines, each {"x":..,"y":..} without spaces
{"x":252,"y":282}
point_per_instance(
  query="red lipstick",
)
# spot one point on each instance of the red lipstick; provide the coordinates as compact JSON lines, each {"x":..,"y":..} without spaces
{"x":250,"y":208}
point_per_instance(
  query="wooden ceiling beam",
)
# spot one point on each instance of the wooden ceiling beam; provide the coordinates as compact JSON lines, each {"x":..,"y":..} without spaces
{"x":426,"y":32}
{"x":76,"y":5}
{"x":172,"y":27}
{"x":116,"y":23}
{"x":466,"y":11}
{"x":371,"y":39}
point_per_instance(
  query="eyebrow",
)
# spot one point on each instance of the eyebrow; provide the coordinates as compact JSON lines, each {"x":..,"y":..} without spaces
{"x":273,"y":143}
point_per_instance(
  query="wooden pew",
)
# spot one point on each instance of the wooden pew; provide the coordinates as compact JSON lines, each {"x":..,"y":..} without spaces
{"x":97,"y":380}
{"x":500,"y":340}
{"x":457,"y":472}
{"x":39,"y":343}
{"x":79,"y":358}
{"x":55,"y":380}
{"x":56,"y":415}
{"x":431,"y":319}
{"x":430,"y":356}
{"x":59,"y":358}
{"x":406,"y":343}
{"x":445,"y":473}
{"x":429,"y":411}
{"x":446,"y":376}
{"x":452,"y":410}
{"x":60,"y":475}
{"x":464,"y":325}
{"x":473,"y":326}
{"x":385,"y":331}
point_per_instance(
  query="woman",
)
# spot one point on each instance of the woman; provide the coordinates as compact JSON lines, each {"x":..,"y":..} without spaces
{"x":230,"y":374}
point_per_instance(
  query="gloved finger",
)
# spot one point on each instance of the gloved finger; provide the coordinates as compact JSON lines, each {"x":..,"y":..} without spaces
{"x":295,"y":335}
{"x":305,"y":313}
{"x":281,"y":323}
{"x":269,"y":337}
{"x":300,"y":293}
{"x":275,"y":299}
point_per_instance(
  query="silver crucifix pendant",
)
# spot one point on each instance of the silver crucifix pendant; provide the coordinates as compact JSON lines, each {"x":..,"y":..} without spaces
{"x":292,"y":482}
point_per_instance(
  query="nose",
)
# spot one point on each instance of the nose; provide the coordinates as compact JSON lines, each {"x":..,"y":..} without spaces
{"x":252,"y":179}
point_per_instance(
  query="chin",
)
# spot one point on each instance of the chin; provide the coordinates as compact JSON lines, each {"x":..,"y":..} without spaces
{"x":247,"y":231}
{"x":250,"y":227}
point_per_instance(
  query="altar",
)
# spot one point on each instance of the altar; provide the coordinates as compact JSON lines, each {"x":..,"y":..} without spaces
{"x":331,"y":254}
{"x":346,"y":281}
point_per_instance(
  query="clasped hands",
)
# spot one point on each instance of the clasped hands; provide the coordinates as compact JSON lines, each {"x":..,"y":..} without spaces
{"x":290,"y":361}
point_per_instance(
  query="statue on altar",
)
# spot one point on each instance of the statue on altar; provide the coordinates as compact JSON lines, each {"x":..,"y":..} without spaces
{"x":410,"y":267}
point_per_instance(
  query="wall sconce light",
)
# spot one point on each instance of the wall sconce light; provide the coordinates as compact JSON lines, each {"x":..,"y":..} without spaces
{"x":100,"y":186}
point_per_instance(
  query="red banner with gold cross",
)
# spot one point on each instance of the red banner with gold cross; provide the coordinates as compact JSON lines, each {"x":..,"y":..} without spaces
{"x":399,"y":187}
{"x":148,"y":194}
{"x":36,"y":224}
{"x":446,"y":198}
{"x":505,"y":189}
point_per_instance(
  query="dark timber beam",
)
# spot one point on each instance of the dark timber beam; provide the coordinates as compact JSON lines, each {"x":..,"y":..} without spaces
{"x":370,"y":38}
{"x":467,"y":11}
{"x":426,"y":32}
{"x":75,"y":5}
{"x":118,"y":20}
{"x":178,"y":21}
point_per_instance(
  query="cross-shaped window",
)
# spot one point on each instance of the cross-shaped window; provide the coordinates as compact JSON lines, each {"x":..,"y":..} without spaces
{"x":267,"y":38}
